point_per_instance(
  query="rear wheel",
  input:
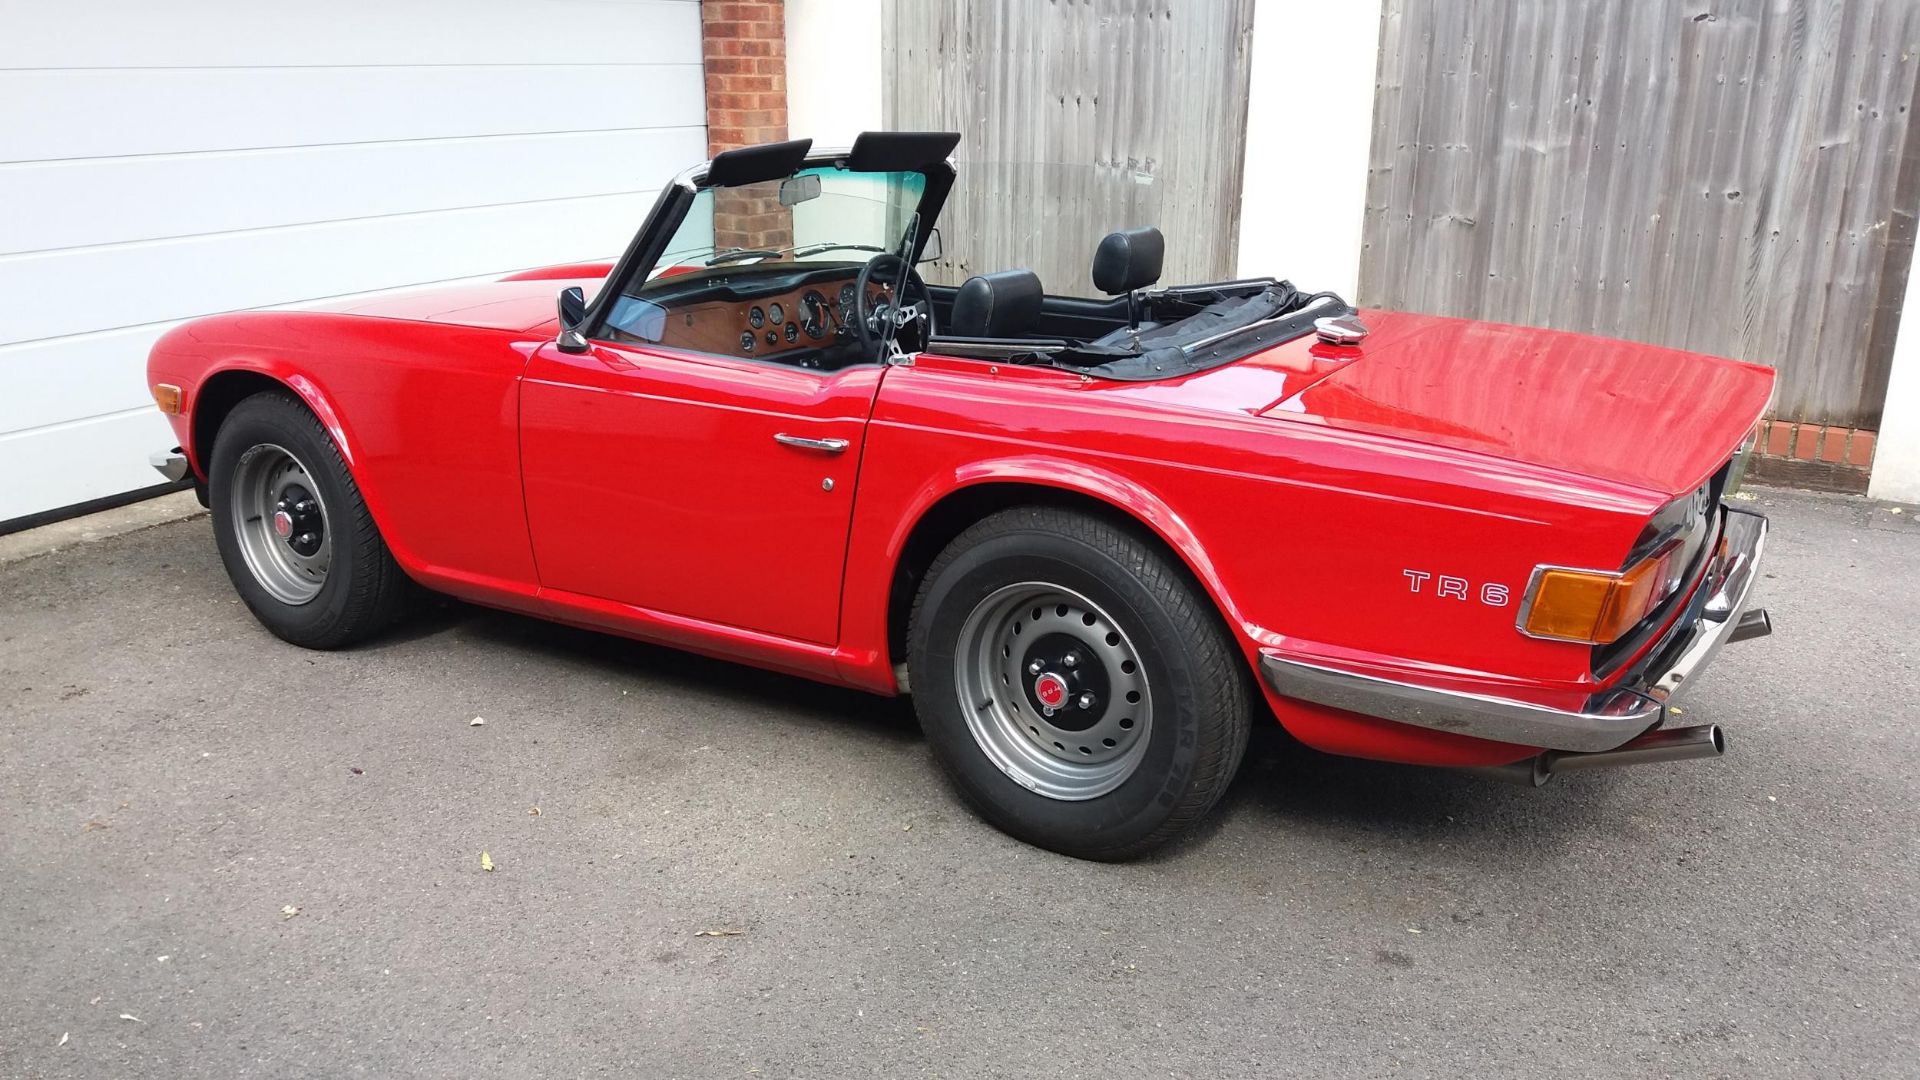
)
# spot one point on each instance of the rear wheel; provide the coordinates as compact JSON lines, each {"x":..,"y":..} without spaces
{"x":1076,"y":685}
{"x":295,"y":535}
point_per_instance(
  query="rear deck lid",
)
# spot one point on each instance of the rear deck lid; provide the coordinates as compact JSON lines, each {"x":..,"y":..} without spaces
{"x":1637,"y":414}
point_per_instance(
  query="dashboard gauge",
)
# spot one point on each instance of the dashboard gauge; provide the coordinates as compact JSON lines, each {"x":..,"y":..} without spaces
{"x":793,"y":333}
{"x":813,"y":315}
{"x":773,"y":337}
{"x":746,"y":341}
{"x":846,"y":295}
{"x":757,"y":318}
{"x":776,"y":314}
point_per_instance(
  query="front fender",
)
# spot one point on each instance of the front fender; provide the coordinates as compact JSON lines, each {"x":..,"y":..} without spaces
{"x":425,"y":417}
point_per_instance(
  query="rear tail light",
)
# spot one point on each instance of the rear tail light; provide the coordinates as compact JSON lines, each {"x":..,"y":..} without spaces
{"x":1598,"y":607}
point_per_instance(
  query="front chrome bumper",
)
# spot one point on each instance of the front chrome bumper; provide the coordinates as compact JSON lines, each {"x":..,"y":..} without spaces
{"x":171,"y":464}
{"x":1716,"y":616}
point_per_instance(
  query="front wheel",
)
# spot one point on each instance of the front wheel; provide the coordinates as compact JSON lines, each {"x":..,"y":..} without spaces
{"x":1076,"y":685}
{"x":293,"y":531}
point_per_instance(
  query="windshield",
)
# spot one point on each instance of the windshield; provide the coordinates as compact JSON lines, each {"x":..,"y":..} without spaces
{"x":819,"y":215}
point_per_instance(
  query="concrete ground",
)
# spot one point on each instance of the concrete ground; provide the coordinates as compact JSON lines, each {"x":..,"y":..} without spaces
{"x":222,"y":856}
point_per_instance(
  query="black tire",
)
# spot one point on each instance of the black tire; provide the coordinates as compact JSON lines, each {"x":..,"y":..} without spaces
{"x":1200,"y":698}
{"x":362,"y":590}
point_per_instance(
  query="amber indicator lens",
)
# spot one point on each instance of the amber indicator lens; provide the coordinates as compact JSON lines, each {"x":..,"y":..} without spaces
{"x":1596,"y":607}
{"x":167,"y":396}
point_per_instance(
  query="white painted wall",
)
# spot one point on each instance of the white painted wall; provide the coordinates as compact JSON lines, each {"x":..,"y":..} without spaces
{"x":833,"y":70}
{"x":162,"y":161}
{"x":1896,"y":453}
{"x":1314,"y":67}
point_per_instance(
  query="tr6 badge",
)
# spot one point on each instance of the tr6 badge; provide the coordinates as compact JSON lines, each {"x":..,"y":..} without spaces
{"x":1444,"y":587}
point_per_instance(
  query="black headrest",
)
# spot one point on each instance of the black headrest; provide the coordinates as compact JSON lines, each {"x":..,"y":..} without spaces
{"x":1004,"y":304}
{"x":1128,"y":260}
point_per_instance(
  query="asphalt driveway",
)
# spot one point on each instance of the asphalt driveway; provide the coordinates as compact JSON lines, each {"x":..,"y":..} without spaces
{"x":222,"y":856}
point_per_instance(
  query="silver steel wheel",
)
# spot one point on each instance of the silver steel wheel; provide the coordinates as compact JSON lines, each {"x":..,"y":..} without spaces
{"x":1053,"y":691}
{"x":281,"y":524}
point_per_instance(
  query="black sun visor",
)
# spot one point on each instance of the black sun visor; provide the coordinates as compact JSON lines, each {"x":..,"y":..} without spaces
{"x":758,"y":164}
{"x":900,"y":151}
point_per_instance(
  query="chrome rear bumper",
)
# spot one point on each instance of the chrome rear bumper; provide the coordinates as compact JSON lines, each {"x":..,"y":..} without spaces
{"x":1717,"y":615}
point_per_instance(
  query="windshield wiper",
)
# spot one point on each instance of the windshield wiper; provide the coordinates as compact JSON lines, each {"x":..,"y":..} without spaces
{"x":815,"y":249}
{"x":736,"y":254}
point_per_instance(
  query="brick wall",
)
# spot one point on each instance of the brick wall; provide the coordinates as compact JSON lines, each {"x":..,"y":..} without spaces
{"x":744,"y":55}
{"x":1812,"y":456}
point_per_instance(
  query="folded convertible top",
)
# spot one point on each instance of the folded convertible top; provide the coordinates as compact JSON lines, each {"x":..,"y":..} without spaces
{"x":1219,"y":333}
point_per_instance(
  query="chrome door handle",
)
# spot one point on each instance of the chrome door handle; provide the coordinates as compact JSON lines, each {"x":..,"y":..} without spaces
{"x":831,"y":446}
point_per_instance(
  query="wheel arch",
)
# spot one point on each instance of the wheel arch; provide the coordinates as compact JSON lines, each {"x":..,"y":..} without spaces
{"x":990,"y":489}
{"x":226,"y":388}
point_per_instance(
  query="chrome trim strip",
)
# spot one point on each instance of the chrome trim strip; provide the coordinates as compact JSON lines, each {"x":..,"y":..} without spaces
{"x":1608,"y":720}
{"x":171,"y":464}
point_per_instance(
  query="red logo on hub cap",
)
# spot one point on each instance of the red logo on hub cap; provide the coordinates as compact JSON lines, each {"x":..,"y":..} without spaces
{"x":1051,"y":689}
{"x":282,"y":524}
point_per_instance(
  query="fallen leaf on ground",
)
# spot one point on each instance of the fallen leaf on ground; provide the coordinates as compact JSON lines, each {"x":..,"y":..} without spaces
{"x":486,"y":862}
{"x":478,"y":721}
{"x":289,"y":911}
{"x":130,"y":1016}
{"x":718,"y":933}
{"x":96,"y":824}
{"x":533,"y":811}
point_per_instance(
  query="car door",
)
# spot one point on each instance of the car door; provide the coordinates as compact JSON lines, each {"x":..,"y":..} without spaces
{"x":695,"y":485}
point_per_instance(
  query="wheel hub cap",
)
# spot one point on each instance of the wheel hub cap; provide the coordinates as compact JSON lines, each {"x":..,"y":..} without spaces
{"x":1053,"y":691}
{"x":280,"y":524}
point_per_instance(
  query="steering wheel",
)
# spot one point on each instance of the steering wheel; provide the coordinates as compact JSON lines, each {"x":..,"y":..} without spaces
{"x":875,"y":325}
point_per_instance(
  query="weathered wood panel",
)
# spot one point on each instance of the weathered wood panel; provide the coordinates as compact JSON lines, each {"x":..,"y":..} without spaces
{"x":1732,"y":177}
{"x":1078,"y":117}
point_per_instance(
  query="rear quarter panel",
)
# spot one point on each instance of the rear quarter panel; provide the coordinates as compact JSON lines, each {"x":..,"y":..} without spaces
{"x":1302,"y":534}
{"x":425,"y":414}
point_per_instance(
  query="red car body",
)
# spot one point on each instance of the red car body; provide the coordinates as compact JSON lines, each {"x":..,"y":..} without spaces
{"x":1353,"y":511}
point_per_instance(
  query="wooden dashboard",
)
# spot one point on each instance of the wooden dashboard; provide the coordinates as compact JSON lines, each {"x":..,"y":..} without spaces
{"x":802,"y":318}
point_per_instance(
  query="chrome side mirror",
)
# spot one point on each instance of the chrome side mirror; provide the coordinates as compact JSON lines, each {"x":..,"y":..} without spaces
{"x":573,"y":312}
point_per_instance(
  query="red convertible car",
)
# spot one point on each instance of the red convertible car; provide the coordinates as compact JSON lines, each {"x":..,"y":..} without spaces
{"x":1092,"y":538}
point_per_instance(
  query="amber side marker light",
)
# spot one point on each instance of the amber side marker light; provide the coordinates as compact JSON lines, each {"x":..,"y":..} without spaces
{"x":167,"y":396}
{"x":1594,"y":606}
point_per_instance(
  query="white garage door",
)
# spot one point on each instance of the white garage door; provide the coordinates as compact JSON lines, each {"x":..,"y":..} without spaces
{"x":160,"y":161}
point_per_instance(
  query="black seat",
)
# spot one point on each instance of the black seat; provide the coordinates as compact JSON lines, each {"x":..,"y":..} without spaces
{"x":1128,"y":260}
{"x":1124,"y":263}
{"x":1005,"y":304}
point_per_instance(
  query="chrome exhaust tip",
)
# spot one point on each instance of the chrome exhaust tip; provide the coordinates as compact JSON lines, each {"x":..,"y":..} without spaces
{"x":1672,"y":744}
{"x":1753,"y":623}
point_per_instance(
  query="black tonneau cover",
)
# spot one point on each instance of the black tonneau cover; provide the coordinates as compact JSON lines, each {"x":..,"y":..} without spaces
{"x":1218,"y":333}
